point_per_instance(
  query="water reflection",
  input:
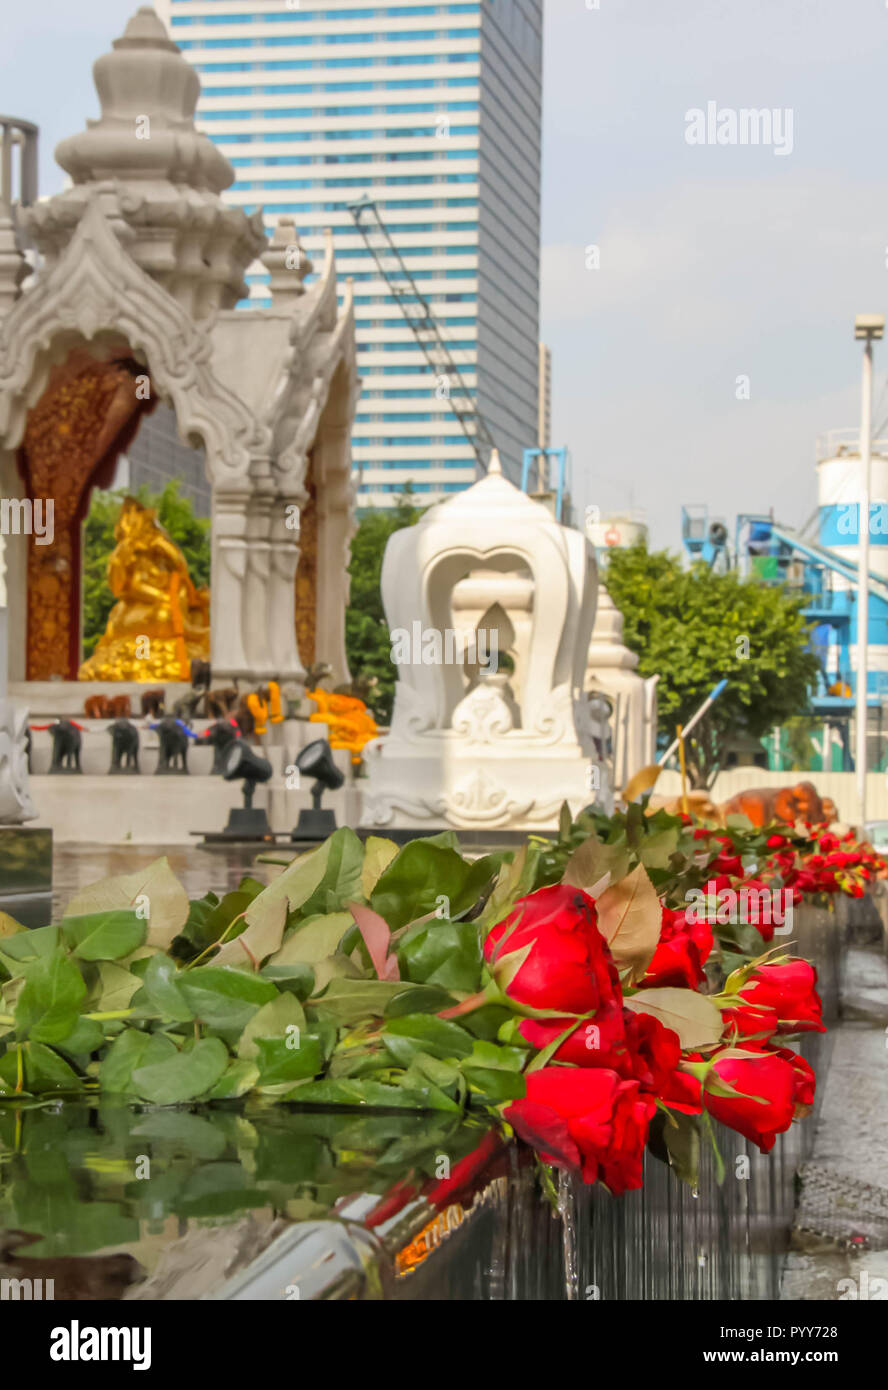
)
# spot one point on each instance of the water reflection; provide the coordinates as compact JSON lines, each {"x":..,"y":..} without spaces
{"x":92,"y":1191}
{"x":199,"y":870}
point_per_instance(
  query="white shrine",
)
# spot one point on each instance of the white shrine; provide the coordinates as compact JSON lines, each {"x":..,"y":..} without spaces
{"x":612,"y":671}
{"x":501,"y":743}
{"x":139,"y":266}
{"x":128,"y":299}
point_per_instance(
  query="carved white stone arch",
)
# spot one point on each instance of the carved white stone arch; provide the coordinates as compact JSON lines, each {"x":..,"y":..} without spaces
{"x":94,"y":289}
{"x":438,"y":579}
{"x":461,"y":757}
{"x":142,"y":254}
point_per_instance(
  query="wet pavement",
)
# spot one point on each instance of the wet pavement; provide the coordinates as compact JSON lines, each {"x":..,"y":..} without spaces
{"x":199,"y":870}
{"x":840,"y":1234}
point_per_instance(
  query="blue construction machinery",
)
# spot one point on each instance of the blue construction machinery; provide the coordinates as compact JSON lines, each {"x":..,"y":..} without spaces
{"x":827,"y":580}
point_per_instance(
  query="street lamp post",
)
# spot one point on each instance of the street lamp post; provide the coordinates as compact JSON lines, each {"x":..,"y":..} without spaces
{"x":867,"y":328}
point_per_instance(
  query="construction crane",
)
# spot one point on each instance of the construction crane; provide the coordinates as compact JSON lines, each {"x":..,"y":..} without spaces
{"x":421,"y":319}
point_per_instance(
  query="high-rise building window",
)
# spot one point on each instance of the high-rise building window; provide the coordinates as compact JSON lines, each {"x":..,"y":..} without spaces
{"x":375,"y":108}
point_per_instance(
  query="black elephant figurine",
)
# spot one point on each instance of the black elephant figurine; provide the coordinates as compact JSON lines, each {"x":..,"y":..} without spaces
{"x":221,"y":734}
{"x":66,"y":745}
{"x":173,"y":747}
{"x":124,"y":747}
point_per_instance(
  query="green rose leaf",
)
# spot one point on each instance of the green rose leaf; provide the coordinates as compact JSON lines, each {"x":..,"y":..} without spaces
{"x":271,"y":1021}
{"x":378,"y":854}
{"x":239,"y":1078}
{"x":183,"y":1077}
{"x":442,"y":953}
{"x":297,"y":979}
{"x":224,"y":998}
{"x":278,"y":1060}
{"x":29,"y":945}
{"x":162,"y":989}
{"x":424,"y":872}
{"x":9,"y":926}
{"x":436,"y":1036}
{"x":155,"y":886}
{"x":682,"y":1141}
{"x":492,"y":1085}
{"x":418,"y":1081}
{"x":318,"y":882}
{"x":352,"y":1001}
{"x":49,"y":1005}
{"x":132,"y":1049}
{"x":426,"y":999}
{"x":208,"y":920}
{"x":105,"y":935}
{"x":44,"y":1070}
{"x":692,"y":1016}
{"x":116,"y":987}
{"x":314,"y":939}
{"x":86,"y":1036}
{"x":493,"y":1072}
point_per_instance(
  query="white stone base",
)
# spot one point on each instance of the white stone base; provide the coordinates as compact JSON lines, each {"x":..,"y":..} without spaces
{"x":164,"y":810}
{"x":143,"y":808}
{"x":412,"y":788}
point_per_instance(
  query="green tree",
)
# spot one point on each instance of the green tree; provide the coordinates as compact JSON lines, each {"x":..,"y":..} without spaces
{"x":694,"y":628}
{"x":176,"y":515}
{"x":367,"y":640}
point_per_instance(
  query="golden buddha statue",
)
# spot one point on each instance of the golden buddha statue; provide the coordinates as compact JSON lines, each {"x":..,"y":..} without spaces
{"x":160,"y":621}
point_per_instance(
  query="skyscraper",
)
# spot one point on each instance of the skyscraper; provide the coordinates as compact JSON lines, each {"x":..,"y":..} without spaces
{"x":433,"y":111}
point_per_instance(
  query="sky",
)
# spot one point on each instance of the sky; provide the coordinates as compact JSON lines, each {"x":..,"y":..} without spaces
{"x":714,"y":342}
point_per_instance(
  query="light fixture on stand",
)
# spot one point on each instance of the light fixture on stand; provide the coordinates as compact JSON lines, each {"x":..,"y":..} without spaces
{"x":242,"y":763}
{"x":316,"y":760}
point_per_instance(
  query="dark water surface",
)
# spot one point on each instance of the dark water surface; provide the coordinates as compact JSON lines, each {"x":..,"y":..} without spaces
{"x":93,"y":1192}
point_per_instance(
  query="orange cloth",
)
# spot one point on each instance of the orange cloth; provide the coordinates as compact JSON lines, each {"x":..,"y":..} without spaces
{"x":274,"y":700}
{"x":259,"y":710}
{"x":350,"y":722}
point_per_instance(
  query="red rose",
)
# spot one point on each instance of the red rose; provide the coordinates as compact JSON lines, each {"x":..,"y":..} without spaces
{"x":600,"y":1042}
{"x":681,"y":952}
{"x":806,"y":881}
{"x":765,"y":1104}
{"x":804,"y":1080}
{"x":569,"y":964}
{"x":730,"y":864}
{"x":681,"y":1091}
{"x":586,"y":1118}
{"x":636,"y":1046}
{"x":654,"y":1051}
{"x":788,"y":990}
{"x":749,"y":1021}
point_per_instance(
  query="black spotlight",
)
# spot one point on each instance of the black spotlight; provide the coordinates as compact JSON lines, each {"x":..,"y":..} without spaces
{"x":316,"y":760}
{"x":243,"y":764}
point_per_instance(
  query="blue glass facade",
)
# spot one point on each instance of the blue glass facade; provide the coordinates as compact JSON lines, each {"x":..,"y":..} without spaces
{"x":411,"y":90}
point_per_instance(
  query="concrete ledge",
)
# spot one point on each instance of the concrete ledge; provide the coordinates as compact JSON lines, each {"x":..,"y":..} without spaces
{"x":165,"y":810}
